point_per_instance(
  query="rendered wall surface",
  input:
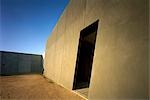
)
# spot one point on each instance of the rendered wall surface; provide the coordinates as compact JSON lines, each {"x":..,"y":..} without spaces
{"x":120,"y":65}
{"x":19,"y":63}
{"x":61,"y":49}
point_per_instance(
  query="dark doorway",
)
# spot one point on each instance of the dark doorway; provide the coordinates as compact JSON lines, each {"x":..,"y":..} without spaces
{"x":85,"y":56}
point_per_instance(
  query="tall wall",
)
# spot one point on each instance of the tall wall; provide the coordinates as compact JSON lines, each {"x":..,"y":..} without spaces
{"x":61,"y":49}
{"x":120,"y":66}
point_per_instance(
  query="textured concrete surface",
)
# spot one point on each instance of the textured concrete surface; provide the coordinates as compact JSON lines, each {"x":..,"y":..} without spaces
{"x":33,"y":87}
{"x":63,"y":44}
{"x":120,"y":65}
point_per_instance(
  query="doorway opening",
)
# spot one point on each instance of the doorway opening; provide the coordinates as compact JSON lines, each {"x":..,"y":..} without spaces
{"x":85,"y":55}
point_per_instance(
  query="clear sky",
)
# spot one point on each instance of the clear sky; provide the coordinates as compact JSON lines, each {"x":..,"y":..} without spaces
{"x":26,"y":24}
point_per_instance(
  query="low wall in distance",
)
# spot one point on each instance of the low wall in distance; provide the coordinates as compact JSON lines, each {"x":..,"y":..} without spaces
{"x":12,"y":63}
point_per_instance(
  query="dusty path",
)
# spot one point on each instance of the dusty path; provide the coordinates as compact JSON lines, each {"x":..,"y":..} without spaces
{"x":33,"y":87}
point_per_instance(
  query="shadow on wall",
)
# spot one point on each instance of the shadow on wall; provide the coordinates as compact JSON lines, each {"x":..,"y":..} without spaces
{"x":12,"y":63}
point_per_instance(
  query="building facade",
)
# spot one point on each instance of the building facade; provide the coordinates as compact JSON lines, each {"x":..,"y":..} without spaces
{"x":101,"y":45}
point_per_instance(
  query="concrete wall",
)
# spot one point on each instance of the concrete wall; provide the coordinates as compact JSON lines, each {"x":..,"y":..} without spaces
{"x":0,"y":61}
{"x":19,"y":63}
{"x":120,"y":66}
{"x":61,"y":49}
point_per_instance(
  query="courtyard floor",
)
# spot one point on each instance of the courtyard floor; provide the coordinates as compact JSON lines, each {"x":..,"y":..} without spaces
{"x":33,"y":87}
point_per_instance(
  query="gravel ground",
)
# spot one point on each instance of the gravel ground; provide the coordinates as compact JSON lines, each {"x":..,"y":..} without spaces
{"x":33,"y":87}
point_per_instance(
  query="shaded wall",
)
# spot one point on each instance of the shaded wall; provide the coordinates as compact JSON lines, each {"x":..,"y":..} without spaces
{"x":0,"y":61}
{"x":120,"y":65}
{"x":19,"y":63}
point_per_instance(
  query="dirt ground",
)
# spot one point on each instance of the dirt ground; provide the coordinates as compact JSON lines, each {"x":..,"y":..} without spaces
{"x":33,"y":87}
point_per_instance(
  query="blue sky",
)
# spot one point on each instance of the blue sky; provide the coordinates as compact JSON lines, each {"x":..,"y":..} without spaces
{"x":26,"y":24}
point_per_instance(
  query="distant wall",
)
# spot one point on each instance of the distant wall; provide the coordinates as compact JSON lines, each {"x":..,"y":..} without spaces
{"x":0,"y":62}
{"x":19,"y":63}
{"x":120,"y":65}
